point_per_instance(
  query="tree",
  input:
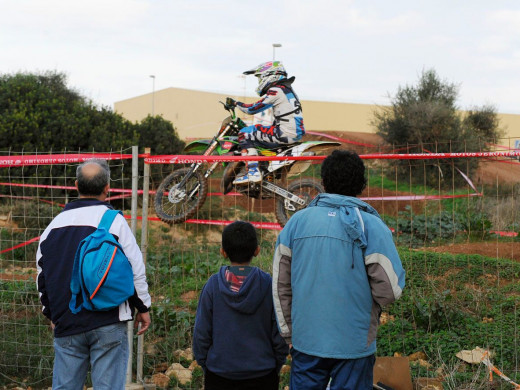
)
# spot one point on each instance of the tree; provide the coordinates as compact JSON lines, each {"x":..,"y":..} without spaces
{"x":39,"y":113}
{"x":159,"y":134}
{"x":424,"y":118}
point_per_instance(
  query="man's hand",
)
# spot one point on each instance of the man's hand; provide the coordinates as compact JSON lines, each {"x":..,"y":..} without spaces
{"x":144,"y":320}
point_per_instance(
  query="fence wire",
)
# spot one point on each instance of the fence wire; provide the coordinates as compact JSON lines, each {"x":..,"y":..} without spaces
{"x":455,"y":222}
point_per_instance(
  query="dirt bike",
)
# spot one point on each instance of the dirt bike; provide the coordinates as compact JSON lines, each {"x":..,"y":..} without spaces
{"x":182,"y":193}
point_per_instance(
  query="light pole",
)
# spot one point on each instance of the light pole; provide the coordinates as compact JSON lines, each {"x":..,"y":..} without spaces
{"x":275,"y":45}
{"x":153,"y":93}
{"x":243,"y":76}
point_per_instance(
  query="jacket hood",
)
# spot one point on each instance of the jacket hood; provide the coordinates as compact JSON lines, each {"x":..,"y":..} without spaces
{"x":347,"y":206}
{"x":251,"y":294}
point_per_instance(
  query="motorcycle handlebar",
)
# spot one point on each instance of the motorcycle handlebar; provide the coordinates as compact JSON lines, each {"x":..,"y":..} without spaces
{"x":228,"y":107}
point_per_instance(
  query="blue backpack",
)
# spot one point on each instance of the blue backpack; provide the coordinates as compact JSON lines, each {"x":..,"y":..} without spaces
{"x":102,"y":273}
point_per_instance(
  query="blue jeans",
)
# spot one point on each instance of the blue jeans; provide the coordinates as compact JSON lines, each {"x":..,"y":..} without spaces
{"x":313,"y":373}
{"x":105,"y":348}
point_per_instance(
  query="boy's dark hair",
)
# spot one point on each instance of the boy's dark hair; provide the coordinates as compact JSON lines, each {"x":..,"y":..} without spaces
{"x":343,"y":173}
{"x":93,"y":185}
{"x":239,"y":241}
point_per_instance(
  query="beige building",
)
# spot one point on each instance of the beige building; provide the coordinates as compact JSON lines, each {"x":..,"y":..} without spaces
{"x":198,"y":114}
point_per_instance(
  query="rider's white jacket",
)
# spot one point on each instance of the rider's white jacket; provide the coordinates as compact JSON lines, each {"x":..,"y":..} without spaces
{"x":286,"y":108}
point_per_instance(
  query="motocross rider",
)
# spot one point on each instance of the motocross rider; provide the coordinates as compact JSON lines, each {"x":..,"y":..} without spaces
{"x":276,"y":91}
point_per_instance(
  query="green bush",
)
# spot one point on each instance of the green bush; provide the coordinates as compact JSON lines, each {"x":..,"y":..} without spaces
{"x":415,"y":230}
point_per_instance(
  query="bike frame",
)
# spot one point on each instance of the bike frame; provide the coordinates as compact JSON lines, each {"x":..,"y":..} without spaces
{"x":225,"y":128}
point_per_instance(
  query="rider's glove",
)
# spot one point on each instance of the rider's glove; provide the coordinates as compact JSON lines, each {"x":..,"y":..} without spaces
{"x":231,"y":102}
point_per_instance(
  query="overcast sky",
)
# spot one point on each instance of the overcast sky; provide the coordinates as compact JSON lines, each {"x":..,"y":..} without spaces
{"x":339,"y":50}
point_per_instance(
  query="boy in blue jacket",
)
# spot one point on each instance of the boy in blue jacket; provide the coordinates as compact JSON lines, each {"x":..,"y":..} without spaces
{"x":236,"y":339}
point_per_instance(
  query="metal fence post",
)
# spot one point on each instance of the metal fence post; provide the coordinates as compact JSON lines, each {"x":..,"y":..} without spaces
{"x":133,"y":226}
{"x":144,"y":248}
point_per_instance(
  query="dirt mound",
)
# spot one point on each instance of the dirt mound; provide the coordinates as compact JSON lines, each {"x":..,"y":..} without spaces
{"x":497,"y":172}
{"x":505,"y":250}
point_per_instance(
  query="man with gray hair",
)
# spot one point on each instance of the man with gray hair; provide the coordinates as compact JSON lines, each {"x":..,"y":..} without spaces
{"x":98,"y":338}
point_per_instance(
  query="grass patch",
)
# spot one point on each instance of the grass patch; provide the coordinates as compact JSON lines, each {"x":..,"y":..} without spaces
{"x":451,"y":303}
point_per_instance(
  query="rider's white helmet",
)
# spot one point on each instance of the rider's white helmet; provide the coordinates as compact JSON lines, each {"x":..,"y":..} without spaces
{"x":267,"y":73}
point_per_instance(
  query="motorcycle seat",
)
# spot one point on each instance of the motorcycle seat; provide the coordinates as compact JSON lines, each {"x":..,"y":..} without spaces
{"x":277,"y":150}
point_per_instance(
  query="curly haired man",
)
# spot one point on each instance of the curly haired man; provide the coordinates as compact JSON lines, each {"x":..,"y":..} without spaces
{"x":334,"y":266}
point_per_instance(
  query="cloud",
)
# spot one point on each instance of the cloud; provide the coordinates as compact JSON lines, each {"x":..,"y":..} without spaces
{"x":506,"y":20}
{"x":348,"y":16}
{"x":338,"y":49}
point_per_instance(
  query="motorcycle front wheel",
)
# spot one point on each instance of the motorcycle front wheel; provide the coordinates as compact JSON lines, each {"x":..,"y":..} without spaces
{"x":306,"y":189}
{"x":175,"y":203}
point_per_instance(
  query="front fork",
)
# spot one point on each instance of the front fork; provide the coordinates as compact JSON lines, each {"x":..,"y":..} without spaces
{"x":176,"y":193}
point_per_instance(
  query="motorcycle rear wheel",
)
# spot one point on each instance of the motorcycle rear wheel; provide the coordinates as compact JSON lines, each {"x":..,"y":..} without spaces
{"x":307,"y":189}
{"x":174,"y":204}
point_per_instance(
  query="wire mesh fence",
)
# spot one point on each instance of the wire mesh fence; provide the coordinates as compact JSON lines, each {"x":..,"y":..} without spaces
{"x":455,"y":222}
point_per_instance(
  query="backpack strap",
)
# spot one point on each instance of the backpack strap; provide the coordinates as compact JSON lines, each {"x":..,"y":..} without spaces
{"x":75,"y":287}
{"x":108,"y":218}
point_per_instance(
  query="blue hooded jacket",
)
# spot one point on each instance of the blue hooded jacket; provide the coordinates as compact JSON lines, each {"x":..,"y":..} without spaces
{"x":335,"y":265}
{"x":235,"y":334}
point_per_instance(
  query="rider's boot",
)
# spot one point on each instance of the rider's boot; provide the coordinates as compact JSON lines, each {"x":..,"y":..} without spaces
{"x":253,"y":175}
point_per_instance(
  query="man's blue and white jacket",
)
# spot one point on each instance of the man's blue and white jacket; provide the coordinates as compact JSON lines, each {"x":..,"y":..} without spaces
{"x":55,"y":260}
{"x":334,"y":266}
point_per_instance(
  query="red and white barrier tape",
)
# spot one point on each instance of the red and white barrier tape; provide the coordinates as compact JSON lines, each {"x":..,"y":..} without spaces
{"x":417,"y":197}
{"x":20,"y":245}
{"x":32,"y":198}
{"x":127,"y":192}
{"x":187,"y":159}
{"x":51,"y":159}
{"x":11,"y":161}
{"x":71,"y":188}
{"x":258,"y":225}
{"x":493,"y":369}
{"x":437,"y":156}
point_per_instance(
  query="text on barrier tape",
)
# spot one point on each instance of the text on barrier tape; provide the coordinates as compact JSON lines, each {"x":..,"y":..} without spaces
{"x":50,"y":159}
{"x":71,"y":188}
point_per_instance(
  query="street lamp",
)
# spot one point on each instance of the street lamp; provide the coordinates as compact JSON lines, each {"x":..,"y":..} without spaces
{"x":275,"y":45}
{"x":243,"y":76}
{"x":153,"y":93}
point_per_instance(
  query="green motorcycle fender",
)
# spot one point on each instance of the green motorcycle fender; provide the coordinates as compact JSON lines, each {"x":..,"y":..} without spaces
{"x":200,"y":146}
